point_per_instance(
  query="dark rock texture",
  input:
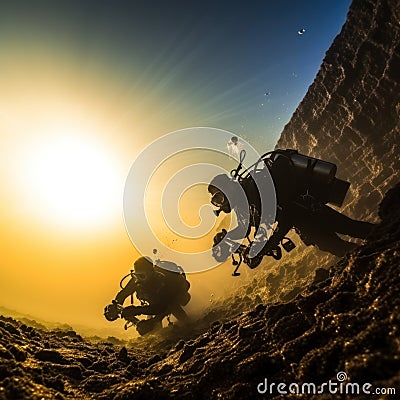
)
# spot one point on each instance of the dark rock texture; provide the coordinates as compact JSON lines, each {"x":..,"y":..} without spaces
{"x":347,"y":320}
{"x":350,"y":114}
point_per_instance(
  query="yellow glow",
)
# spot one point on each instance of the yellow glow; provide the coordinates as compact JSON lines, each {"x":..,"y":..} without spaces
{"x":75,"y":181}
{"x":69,"y":131}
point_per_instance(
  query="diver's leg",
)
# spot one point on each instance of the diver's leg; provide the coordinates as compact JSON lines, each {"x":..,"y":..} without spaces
{"x":178,"y":312}
{"x":157,"y":320}
{"x":129,"y":313}
{"x":341,"y":223}
{"x":333,"y":244}
{"x":149,"y":325}
{"x":325,"y":241}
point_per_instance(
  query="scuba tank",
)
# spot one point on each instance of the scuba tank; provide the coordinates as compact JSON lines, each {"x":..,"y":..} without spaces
{"x":318,"y":171}
{"x":175,"y":278}
{"x":316,"y":177}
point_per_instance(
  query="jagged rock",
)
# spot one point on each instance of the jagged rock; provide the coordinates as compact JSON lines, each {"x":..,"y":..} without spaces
{"x":56,"y":383}
{"x":164,"y":369}
{"x":101,"y":365}
{"x":350,"y":114}
{"x":50,"y":355}
{"x":11,"y":329}
{"x":180,"y":344}
{"x":290,"y":327}
{"x":247,"y":330}
{"x":154,"y":359}
{"x":18,"y":352}
{"x":259,"y":363}
{"x":390,"y":205}
{"x":5,"y":353}
{"x":123,"y":355}
{"x":71,"y":334}
{"x":187,"y":353}
{"x":321,"y":274}
{"x":292,"y":293}
{"x":97,"y":383}
{"x":72,"y":371}
{"x":6,"y":368}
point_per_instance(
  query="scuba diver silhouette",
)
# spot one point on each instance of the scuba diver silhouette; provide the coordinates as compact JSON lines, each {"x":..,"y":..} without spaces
{"x":303,"y":187}
{"x":162,"y":290}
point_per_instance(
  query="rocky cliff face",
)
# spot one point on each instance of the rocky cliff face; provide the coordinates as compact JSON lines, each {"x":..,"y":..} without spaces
{"x":350,"y":114}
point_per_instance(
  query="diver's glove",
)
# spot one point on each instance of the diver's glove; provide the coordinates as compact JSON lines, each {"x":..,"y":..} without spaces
{"x":131,"y":311}
{"x":112,"y":311}
{"x":220,"y":251}
{"x":272,"y":250}
{"x":219,"y":236}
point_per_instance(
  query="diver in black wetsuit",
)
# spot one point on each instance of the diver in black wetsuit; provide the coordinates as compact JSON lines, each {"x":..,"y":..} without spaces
{"x":160,"y":291}
{"x":303,"y":187}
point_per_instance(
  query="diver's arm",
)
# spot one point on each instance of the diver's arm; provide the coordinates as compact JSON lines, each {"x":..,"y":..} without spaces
{"x":152,"y":309}
{"x":242,"y":230}
{"x":239,"y":232}
{"x":128,"y":290}
{"x":158,"y":306}
{"x":280,"y":232}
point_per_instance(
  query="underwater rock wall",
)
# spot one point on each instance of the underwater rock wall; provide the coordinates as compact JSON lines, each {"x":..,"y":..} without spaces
{"x":350,"y":114}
